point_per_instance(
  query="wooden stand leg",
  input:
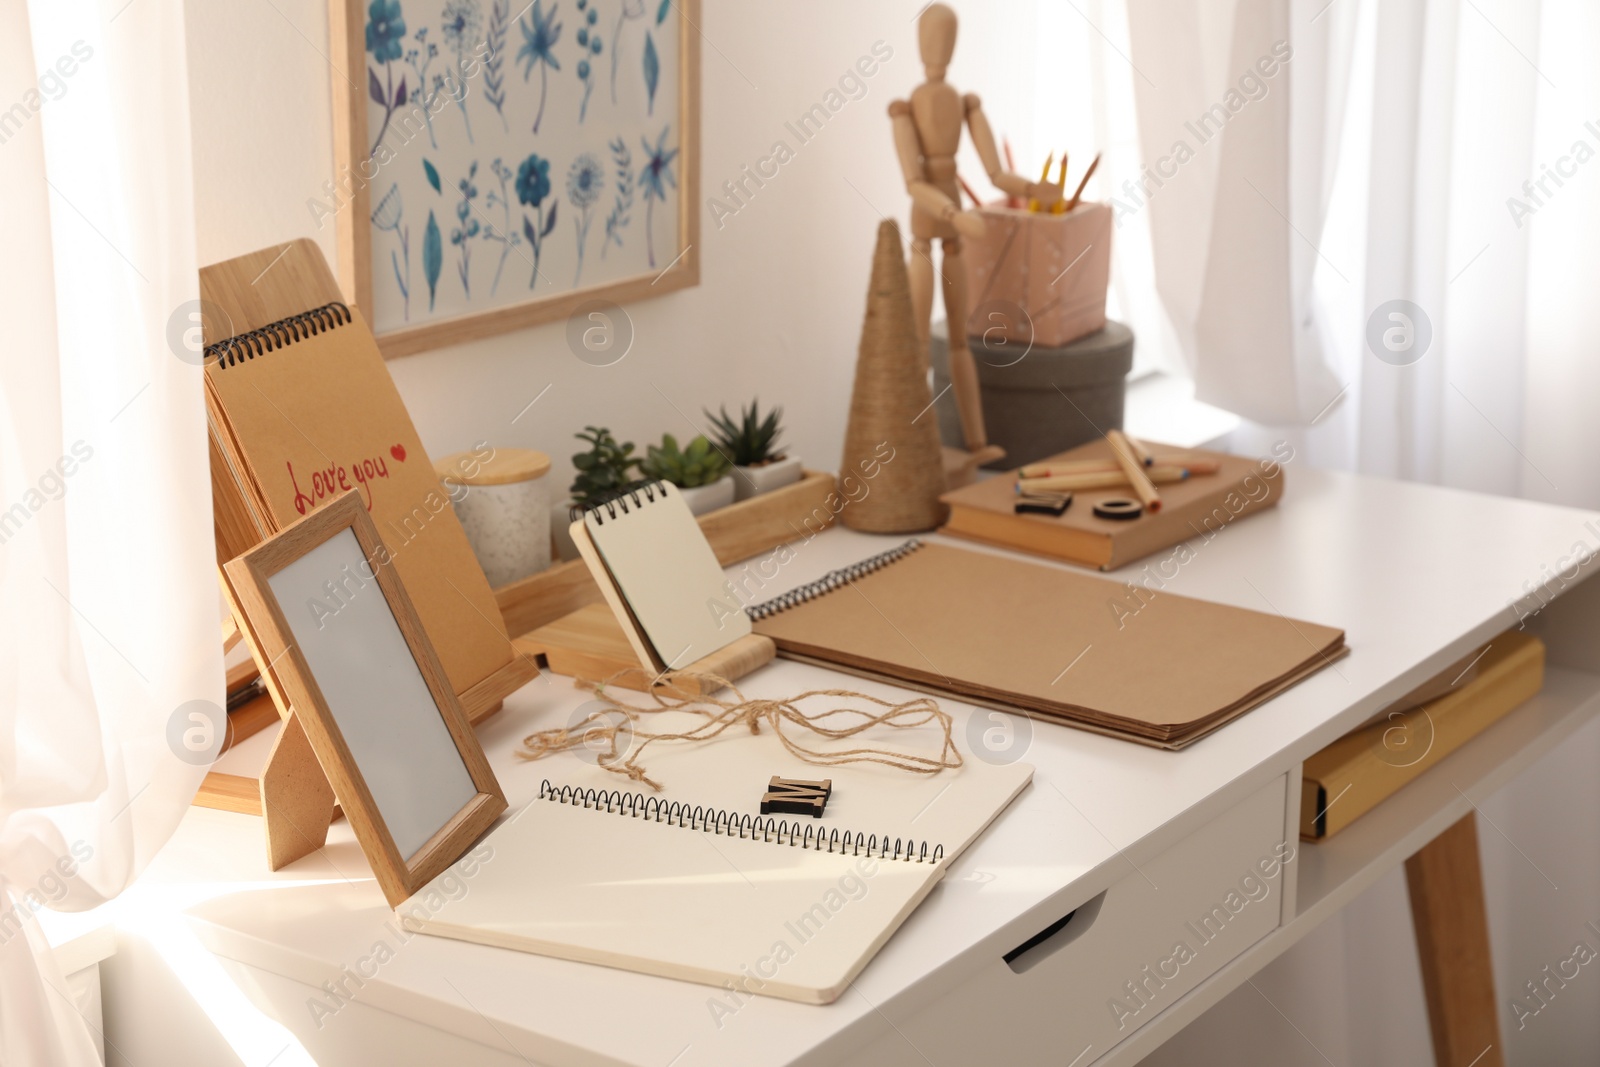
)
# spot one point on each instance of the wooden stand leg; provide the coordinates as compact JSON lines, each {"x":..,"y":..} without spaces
{"x":1445,"y":880}
{"x":296,"y":800}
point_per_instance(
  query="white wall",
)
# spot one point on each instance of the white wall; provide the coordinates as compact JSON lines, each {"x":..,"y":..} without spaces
{"x":778,"y":315}
{"x":778,"y":311}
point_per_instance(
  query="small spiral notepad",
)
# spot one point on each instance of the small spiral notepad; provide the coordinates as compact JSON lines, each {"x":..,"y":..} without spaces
{"x":658,"y":572}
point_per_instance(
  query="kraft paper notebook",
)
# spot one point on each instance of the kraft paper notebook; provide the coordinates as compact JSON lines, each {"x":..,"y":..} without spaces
{"x":1191,"y":508}
{"x":1014,"y":634}
{"x":658,"y":572}
{"x":700,"y":888}
{"x":303,"y":410}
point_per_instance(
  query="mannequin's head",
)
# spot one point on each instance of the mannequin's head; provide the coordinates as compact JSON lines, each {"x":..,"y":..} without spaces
{"x":936,"y":39}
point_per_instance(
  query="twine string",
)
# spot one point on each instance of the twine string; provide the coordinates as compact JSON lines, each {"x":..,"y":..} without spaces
{"x":601,"y":728}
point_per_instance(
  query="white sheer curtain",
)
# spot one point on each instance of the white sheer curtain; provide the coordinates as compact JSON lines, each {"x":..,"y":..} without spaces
{"x":1386,"y":161}
{"x":1445,"y":153}
{"x":106,"y":562}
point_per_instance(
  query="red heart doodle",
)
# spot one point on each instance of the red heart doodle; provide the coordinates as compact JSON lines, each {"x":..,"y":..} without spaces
{"x":398,"y":452}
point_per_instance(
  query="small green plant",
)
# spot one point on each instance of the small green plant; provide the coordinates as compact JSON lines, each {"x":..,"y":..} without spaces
{"x":605,"y":468}
{"x":752,"y":440}
{"x":697,"y":464}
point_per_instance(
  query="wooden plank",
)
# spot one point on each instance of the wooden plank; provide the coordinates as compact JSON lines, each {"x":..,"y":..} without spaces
{"x":589,"y":643}
{"x":230,"y":792}
{"x":736,"y":533}
{"x":1445,"y":880}
{"x":741,"y":531}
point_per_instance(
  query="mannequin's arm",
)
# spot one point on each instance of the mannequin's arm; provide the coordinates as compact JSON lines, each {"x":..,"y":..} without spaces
{"x":926,"y":195}
{"x":1011,"y":184}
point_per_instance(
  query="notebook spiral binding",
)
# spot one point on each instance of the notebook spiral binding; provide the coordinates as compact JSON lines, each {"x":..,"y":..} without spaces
{"x":829,"y":582}
{"x":618,"y":501}
{"x":276,"y":335}
{"x":732,"y":824}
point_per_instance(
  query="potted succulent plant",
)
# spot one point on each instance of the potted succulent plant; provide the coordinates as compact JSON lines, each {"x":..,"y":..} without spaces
{"x":697,"y":469}
{"x":760,"y":464}
{"x":605,"y":468}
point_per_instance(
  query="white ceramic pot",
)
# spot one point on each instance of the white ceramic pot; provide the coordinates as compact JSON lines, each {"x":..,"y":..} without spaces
{"x":501,"y":498}
{"x":753,"y":481}
{"x":704,"y":498}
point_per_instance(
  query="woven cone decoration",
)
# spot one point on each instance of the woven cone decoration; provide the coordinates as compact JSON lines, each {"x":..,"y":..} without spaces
{"x":891,"y":445}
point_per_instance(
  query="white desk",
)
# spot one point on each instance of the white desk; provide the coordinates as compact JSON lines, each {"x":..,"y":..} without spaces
{"x":1416,"y":575}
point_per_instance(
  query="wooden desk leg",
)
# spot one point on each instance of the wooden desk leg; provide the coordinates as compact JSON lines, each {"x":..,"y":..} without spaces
{"x":1445,"y":880}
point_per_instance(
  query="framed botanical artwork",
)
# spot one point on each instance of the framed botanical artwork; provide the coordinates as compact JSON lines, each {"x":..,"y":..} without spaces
{"x":503,"y":162}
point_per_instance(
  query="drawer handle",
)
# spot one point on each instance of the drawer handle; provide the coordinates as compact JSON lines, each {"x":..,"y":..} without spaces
{"x":1053,"y":938}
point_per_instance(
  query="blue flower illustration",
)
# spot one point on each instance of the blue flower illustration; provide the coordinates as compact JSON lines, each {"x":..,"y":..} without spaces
{"x":655,"y":176}
{"x":538,"y":49}
{"x":631,"y":9}
{"x":386,"y":28}
{"x":533,"y":185}
{"x":462,"y":30}
{"x":533,"y":181}
{"x":620,"y":216}
{"x":462,"y":24}
{"x":389,"y":216}
{"x":467,"y":227}
{"x":427,"y":89}
{"x":588,"y":38}
{"x":584,"y":182}
{"x":505,"y":233}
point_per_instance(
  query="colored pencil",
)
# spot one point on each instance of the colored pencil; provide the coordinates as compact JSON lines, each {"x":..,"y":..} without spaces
{"x":1143,"y":488}
{"x":1195,"y":467}
{"x":1141,"y":450}
{"x":1044,"y":176}
{"x":1078,"y":193}
{"x":1110,"y":479}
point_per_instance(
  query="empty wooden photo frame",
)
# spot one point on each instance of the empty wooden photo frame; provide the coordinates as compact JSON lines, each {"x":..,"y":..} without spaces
{"x":364,"y":681}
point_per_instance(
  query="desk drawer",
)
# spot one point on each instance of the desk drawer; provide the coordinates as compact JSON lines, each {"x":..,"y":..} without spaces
{"x":1081,"y":985}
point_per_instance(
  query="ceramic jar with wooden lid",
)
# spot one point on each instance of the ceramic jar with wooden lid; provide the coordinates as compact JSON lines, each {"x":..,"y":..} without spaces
{"x":502,"y":498}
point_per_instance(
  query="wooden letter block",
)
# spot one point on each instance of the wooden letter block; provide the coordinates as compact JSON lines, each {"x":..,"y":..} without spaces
{"x":793,"y":796}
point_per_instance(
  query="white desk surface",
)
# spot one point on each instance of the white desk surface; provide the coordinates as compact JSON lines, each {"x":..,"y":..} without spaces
{"x":1416,"y":575}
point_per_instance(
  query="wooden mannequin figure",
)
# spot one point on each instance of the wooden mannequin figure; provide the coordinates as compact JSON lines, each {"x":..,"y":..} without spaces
{"x":927,"y":132}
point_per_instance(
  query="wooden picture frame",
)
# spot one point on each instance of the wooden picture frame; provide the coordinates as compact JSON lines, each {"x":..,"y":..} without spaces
{"x":336,"y":722}
{"x":365,"y":174}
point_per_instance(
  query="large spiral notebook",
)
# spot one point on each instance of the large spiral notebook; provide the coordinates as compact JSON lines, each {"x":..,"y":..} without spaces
{"x":1160,"y":668}
{"x":301,"y":410}
{"x":784,"y":907}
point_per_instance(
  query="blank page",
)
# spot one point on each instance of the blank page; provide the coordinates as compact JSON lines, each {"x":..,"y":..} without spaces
{"x":374,"y":689}
{"x":666,"y":571}
{"x":591,"y":885}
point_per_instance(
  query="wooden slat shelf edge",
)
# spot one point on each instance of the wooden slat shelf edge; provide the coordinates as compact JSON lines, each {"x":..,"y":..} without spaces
{"x":1334,"y":872}
{"x":737,"y":532}
{"x":1426,"y":807}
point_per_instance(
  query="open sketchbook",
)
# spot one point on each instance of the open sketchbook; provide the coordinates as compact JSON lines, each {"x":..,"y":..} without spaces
{"x":782,"y":906}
